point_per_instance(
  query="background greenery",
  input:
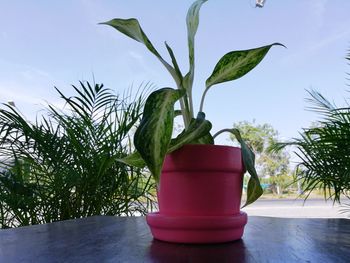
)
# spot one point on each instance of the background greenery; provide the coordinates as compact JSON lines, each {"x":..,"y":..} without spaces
{"x":65,"y":166}
{"x":273,"y":167}
{"x":324,"y":150}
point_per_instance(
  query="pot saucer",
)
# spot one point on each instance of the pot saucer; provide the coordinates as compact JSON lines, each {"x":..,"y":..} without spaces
{"x":196,"y":229}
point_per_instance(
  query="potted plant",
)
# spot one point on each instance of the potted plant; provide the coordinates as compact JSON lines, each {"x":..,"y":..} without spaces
{"x":199,"y":183}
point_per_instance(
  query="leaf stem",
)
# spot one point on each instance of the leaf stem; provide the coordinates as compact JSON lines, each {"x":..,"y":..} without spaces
{"x":188,"y":114}
{"x":184,"y":110}
{"x":202,"y":100}
{"x":221,"y":131}
{"x":191,"y":103}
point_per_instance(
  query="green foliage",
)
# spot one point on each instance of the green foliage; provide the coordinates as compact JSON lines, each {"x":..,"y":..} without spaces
{"x":65,"y":165}
{"x":192,"y":21}
{"x":258,"y":136}
{"x":254,"y":190}
{"x":324,"y":150}
{"x":232,"y":66}
{"x":131,"y":27}
{"x":261,"y":138}
{"x":152,"y":137}
{"x":279,"y":184}
{"x":236,"y":64}
{"x":199,"y":129}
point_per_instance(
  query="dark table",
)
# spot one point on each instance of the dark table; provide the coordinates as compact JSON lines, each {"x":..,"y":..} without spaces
{"x":121,"y":239}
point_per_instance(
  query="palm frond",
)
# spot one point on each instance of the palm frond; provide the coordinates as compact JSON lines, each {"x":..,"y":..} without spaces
{"x":324,"y":150}
{"x":64,"y":166}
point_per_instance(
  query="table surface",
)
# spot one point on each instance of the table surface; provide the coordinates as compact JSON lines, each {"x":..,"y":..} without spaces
{"x":128,"y":239}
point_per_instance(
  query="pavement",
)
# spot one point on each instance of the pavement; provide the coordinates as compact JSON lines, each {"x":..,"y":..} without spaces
{"x":297,"y":208}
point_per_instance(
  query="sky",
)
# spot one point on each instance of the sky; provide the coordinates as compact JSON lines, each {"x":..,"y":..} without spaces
{"x":57,"y":43}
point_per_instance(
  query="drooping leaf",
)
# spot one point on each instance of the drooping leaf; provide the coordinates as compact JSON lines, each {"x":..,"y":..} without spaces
{"x":133,"y":159}
{"x":197,"y":129}
{"x":254,"y":190}
{"x":236,"y":64}
{"x":131,"y":27}
{"x":192,"y":21}
{"x":153,"y":135}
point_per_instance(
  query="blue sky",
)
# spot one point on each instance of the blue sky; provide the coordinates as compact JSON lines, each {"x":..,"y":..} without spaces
{"x":57,"y":43}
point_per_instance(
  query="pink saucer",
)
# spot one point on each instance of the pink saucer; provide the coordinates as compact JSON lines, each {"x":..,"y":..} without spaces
{"x":197,"y":229}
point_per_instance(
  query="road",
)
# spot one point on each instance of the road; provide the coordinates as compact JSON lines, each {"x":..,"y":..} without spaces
{"x":291,"y":208}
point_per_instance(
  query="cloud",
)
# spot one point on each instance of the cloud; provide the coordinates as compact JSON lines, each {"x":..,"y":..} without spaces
{"x":32,"y":73}
{"x":140,"y":64}
{"x":27,"y":100}
{"x":23,"y":70}
{"x":329,"y":40}
{"x":317,"y":11}
{"x":23,"y":84}
{"x":316,"y":46}
{"x":12,"y":92}
{"x":137,"y":56}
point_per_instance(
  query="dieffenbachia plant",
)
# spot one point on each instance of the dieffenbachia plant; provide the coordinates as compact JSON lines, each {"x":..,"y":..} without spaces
{"x":153,"y":138}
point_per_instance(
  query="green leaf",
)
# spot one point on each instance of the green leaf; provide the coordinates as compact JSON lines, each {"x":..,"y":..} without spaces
{"x":133,"y":159}
{"x":131,"y":27}
{"x":197,"y":129}
{"x":173,"y":59}
{"x":206,"y":139}
{"x":236,"y":64}
{"x":254,"y":190}
{"x":153,"y":135}
{"x":177,"y":113}
{"x":192,"y":21}
{"x":180,"y":83}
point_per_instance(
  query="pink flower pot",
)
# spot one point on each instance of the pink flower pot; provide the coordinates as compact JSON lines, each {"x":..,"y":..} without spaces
{"x":199,"y":196}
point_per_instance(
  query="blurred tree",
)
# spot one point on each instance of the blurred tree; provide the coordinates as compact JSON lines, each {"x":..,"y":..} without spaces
{"x":261,"y":137}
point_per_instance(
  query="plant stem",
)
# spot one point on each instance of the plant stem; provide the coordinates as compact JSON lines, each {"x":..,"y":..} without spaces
{"x":202,"y":100}
{"x":191,"y":103}
{"x":184,"y":107}
{"x":188,"y":114}
{"x":184,"y":113}
{"x":221,"y":131}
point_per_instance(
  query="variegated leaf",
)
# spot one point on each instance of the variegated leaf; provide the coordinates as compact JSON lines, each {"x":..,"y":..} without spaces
{"x":206,"y":139}
{"x":177,"y":113}
{"x":153,"y":135}
{"x":173,"y":59}
{"x":184,"y":100}
{"x":254,"y":190}
{"x":131,"y":27}
{"x":197,"y":129}
{"x":236,"y":64}
{"x":133,"y":159}
{"x":192,"y":21}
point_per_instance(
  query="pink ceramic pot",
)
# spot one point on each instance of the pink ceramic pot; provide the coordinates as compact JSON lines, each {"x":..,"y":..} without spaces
{"x":199,"y":196}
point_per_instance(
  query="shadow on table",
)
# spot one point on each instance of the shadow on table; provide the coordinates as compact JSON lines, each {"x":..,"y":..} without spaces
{"x":168,"y":252}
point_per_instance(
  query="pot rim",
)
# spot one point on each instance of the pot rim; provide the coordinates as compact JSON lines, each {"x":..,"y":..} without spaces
{"x":211,"y":146}
{"x":201,"y":157}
